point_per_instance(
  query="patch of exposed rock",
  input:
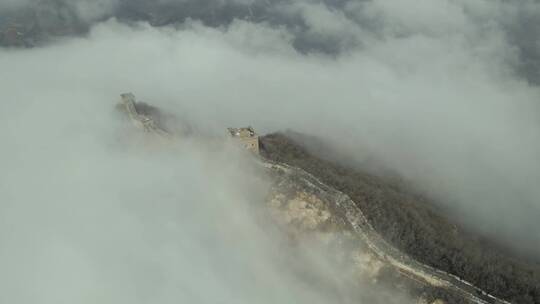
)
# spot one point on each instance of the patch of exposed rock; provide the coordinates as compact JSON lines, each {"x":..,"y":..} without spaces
{"x":308,"y":211}
{"x":305,"y":205}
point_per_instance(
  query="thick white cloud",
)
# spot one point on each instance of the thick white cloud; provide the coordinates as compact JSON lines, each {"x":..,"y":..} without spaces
{"x":445,"y":110}
{"x":91,"y":212}
{"x":433,"y":96}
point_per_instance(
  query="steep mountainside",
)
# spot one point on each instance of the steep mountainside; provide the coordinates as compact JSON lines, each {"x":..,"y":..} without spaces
{"x":411,"y":225}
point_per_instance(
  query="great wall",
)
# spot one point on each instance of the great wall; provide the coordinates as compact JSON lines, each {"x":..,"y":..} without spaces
{"x":342,"y":205}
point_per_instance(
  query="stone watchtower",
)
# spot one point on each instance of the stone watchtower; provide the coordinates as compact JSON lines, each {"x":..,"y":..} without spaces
{"x":247,"y":137}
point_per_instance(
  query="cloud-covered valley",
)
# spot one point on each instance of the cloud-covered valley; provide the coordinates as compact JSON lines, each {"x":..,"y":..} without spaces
{"x":442,"y":92}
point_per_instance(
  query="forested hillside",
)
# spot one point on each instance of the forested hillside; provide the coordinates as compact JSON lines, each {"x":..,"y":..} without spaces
{"x":408,"y":222}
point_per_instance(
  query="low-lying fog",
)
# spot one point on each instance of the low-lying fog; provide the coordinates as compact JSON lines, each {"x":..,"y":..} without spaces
{"x":438,"y":92}
{"x":94,"y":212}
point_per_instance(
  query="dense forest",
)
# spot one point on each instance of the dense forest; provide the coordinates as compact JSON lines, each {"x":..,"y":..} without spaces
{"x":412,"y":225}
